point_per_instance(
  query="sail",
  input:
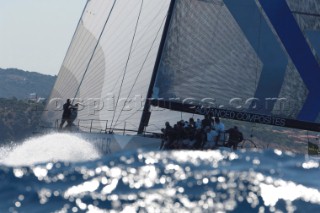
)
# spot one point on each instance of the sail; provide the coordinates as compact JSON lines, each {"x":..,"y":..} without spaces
{"x":248,"y":60}
{"x":109,"y":63}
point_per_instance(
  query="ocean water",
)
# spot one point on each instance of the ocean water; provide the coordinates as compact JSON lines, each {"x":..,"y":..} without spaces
{"x":63,"y":173}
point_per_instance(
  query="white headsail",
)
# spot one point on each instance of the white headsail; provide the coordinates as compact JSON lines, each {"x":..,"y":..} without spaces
{"x":237,"y":56}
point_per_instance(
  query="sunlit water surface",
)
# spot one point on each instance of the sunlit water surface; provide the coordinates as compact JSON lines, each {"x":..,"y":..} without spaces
{"x":64,"y":173}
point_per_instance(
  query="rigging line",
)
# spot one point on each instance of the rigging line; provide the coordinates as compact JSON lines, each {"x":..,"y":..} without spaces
{"x":83,"y":39}
{"x":73,"y":36}
{"x":111,"y":24}
{"x":135,"y":81}
{"x":216,"y":25}
{"x":94,"y":50}
{"x":259,"y":40}
{"x":305,"y":13}
{"x":149,"y":26}
{"x":144,"y":120}
{"x":126,"y":66}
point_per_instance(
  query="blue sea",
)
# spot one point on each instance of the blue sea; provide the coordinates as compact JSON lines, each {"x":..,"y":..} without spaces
{"x":63,"y":173}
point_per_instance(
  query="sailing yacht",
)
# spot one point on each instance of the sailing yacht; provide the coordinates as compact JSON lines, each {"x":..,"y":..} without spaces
{"x":132,"y":65}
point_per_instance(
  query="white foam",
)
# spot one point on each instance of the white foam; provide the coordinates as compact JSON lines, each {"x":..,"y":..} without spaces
{"x":51,"y":147}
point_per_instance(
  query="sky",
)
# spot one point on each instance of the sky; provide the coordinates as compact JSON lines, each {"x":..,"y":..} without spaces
{"x":35,"y":34}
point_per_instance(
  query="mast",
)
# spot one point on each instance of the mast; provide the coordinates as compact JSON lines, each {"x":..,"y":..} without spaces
{"x":146,"y":109}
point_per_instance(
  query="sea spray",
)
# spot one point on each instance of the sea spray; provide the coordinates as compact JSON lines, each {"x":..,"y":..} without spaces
{"x":46,"y":148}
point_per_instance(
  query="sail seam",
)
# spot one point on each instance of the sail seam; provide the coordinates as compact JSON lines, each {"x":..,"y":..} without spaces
{"x":147,"y":105}
{"x":135,"y":81}
{"x":127,"y":62}
{"x":138,"y":42}
{"x":94,"y":50}
{"x":73,"y":36}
